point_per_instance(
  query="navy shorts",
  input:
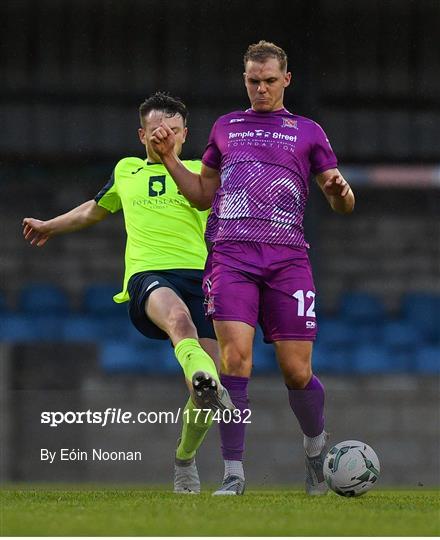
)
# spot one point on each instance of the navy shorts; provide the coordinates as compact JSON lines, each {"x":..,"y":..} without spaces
{"x":187,"y":284}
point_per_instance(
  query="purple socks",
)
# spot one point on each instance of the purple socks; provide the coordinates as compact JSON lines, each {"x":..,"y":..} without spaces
{"x":308,"y":406}
{"x":231,"y":434}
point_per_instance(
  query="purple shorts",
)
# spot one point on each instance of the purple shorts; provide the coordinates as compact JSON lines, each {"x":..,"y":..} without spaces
{"x":262,"y":283}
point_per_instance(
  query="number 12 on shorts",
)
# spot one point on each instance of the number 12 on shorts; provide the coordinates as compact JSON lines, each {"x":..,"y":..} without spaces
{"x":300,"y":297}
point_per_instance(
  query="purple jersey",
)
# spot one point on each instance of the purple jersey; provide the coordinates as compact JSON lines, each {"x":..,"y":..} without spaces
{"x":265,"y":161}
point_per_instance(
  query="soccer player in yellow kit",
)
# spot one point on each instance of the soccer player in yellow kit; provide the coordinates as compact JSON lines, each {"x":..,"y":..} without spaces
{"x":164,"y":260}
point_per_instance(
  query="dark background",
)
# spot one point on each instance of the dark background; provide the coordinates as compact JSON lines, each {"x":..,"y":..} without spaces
{"x":74,"y":71}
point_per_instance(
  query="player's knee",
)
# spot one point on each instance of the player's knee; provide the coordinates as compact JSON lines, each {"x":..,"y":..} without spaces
{"x":179,"y":323}
{"x":236,"y":361}
{"x":299,"y":378}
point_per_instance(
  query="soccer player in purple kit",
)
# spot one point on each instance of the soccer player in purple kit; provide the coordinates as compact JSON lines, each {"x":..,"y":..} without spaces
{"x":255,"y":174}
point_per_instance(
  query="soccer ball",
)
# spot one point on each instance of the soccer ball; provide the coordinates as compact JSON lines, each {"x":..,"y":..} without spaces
{"x":351,"y":468}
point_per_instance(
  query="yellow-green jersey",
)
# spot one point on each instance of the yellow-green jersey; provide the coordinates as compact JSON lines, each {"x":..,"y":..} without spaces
{"x":164,"y":232}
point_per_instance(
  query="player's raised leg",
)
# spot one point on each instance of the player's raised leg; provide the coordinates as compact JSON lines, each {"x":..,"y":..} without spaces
{"x":158,"y":311}
{"x":169,"y":312}
{"x":235,"y":341}
{"x":306,"y":398}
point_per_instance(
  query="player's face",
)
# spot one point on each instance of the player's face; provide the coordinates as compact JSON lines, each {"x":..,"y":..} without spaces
{"x":265,"y":83}
{"x":152,"y":121}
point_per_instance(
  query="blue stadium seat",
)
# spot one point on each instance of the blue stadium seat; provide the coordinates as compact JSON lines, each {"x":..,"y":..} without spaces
{"x":133,"y":334}
{"x":43,"y":299}
{"x":94,"y":328}
{"x":122,"y":358}
{"x":80,"y":328}
{"x":48,"y":327}
{"x":377,"y":359}
{"x":263,"y":357}
{"x":115,"y":328}
{"x":367,"y":333}
{"x":17,"y":328}
{"x":153,"y":357}
{"x":361,"y":307}
{"x":161,"y":358}
{"x":401,"y":335}
{"x":332,"y":359}
{"x":423,"y":311}
{"x":159,"y":354}
{"x":333,"y":349}
{"x":98,"y":300}
{"x":335,"y":332}
{"x":402,"y":360}
{"x":428,"y":359}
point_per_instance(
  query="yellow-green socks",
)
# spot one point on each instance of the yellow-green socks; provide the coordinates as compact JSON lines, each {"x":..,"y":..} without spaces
{"x":196,"y":423}
{"x":193,"y":358}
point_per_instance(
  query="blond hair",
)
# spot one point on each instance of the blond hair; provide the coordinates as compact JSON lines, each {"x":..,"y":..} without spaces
{"x":261,"y":51}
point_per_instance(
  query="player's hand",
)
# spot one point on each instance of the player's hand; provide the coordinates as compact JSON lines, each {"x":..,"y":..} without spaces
{"x":163,"y":139}
{"x":35,"y":231}
{"x":336,"y":186}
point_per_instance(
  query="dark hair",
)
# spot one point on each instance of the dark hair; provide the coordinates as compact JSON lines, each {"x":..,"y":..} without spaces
{"x":261,"y":51}
{"x":162,"y":101}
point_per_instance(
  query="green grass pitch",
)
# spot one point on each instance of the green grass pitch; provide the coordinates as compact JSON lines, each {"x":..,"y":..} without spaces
{"x":88,"y":511}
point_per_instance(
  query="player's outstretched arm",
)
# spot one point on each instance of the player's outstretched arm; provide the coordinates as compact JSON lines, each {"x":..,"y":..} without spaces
{"x":38,"y":232}
{"x":336,"y":190}
{"x":199,"y":189}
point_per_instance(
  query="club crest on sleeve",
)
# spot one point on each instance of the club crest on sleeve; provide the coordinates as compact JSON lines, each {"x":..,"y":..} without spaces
{"x":290,"y":123}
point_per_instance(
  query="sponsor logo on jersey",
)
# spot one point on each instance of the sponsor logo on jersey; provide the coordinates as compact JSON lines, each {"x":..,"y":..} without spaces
{"x":235,"y":120}
{"x":241,"y":134}
{"x":261,"y":133}
{"x":290,"y":123}
{"x":156,"y":186}
{"x":310,"y":324}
